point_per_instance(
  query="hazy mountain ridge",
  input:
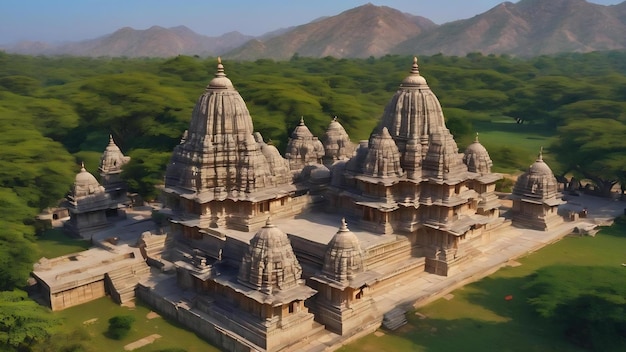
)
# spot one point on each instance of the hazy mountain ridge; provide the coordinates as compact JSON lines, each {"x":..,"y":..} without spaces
{"x":526,"y":28}
{"x":152,"y":42}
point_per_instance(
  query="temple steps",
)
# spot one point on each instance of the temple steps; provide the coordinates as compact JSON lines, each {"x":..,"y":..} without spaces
{"x":122,"y":281}
{"x":394,"y":319}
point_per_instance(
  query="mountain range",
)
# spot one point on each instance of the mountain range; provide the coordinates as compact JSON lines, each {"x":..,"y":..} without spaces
{"x":525,"y":28}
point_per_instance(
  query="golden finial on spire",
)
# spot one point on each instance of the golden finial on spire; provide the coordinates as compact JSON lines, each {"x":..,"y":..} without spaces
{"x":476,"y":139}
{"x":301,"y":120}
{"x":82,"y":166}
{"x":540,"y":156}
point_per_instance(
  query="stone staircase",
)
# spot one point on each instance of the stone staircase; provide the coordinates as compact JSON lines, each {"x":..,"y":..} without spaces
{"x":122,"y":281}
{"x":394,"y":319}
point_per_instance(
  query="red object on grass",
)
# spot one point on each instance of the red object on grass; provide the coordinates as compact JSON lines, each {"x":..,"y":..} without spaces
{"x":509,"y":297}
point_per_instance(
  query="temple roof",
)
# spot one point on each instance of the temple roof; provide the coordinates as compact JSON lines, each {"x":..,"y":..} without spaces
{"x":85,"y":184}
{"x":383,"y":157}
{"x":303,"y":148}
{"x":414,"y":111}
{"x":337,"y":144}
{"x":343,"y":258}
{"x":537,"y":182}
{"x":477,"y":158}
{"x":270,"y":265}
{"x":112,"y":158}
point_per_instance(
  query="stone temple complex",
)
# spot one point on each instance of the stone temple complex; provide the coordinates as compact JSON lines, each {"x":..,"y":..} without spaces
{"x":238,"y":214}
{"x":259,"y":251}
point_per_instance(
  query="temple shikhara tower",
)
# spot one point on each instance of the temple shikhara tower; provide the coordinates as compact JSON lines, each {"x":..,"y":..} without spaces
{"x":256,"y":251}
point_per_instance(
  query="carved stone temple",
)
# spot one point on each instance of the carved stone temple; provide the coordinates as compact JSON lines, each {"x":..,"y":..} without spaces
{"x":413,"y":201}
{"x":91,"y":204}
{"x":536,"y":198}
{"x":264,"y":252}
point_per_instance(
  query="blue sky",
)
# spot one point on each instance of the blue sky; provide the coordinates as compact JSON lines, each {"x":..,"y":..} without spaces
{"x":72,"y":20}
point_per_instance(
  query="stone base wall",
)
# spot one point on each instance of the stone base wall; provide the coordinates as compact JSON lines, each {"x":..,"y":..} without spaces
{"x":347,"y":321}
{"x":198,"y":322}
{"x":79,"y":295}
{"x":228,"y":327}
{"x":537,"y":222}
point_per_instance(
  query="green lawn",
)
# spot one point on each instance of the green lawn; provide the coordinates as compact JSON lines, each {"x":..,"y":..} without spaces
{"x":81,"y":318}
{"x":523,"y":142}
{"x":479,"y":318}
{"x":54,"y":243}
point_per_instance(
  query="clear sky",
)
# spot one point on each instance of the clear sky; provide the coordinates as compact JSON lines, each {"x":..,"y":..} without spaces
{"x":73,"y":20}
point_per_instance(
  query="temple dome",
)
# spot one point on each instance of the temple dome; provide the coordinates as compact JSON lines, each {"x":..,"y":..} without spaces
{"x":337,"y":144}
{"x":414,"y":111}
{"x":537,"y":182}
{"x":383,"y":157}
{"x":303,"y":148}
{"x":343,"y":258}
{"x":112,"y":158}
{"x":270,"y":264}
{"x":85,"y":184}
{"x":477,"y":158}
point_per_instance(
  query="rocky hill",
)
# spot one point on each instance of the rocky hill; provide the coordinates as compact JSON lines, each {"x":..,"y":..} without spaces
{"x":528,"y":28}
{"x":364,"y":31}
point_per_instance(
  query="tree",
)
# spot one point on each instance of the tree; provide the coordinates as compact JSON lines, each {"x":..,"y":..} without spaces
{"x":23,"y":322}
{"x":589,"y":303}
{"x":594,"y":150}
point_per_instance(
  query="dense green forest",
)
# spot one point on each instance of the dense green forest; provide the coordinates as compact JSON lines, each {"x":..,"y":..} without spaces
{"x":58,"y":111}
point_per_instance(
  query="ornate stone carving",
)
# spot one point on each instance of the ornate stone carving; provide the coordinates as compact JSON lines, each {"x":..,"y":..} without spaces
{"x":477,"y":158}
{"x":270,"y":264}
{"x":337,"y":144}
{"x":343,"y":258}
{"x":383,"y":157}
{"x":219,"y":152}
{"x":303,"y":148}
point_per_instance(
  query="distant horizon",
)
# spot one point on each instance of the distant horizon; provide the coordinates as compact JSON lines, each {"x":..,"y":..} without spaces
{"x":76,"y":20}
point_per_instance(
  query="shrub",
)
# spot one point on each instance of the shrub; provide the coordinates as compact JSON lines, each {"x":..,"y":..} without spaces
{"x":119,"y":326}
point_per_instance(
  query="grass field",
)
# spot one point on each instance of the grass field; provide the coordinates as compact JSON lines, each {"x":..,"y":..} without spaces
{"x":172,"y":336}
{"x":479,"y":318}
{"x":510,"y":144}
